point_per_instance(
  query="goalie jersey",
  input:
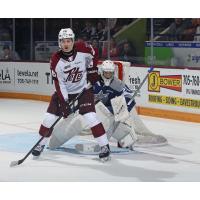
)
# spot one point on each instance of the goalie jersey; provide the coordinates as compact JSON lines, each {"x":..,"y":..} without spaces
{"x":116,"y":88}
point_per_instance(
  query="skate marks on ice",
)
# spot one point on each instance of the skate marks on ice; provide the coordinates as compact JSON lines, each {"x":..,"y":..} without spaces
{"x":168,"y":151}
{"x":127,"y":167}
{"x":165,"y":149}
{"x":22,"y":142}
{"x":18,"y":142}
{"x":120,"y":168}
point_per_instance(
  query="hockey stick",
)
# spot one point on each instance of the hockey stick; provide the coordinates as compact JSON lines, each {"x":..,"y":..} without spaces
{"x":18,"y":162}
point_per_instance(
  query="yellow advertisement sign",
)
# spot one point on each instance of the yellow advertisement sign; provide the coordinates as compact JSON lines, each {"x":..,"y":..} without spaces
{"x":174,"y":101}
{"x":156,"y":81}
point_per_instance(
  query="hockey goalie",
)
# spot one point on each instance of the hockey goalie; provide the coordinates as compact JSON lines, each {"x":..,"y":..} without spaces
{"x":116,"y":109}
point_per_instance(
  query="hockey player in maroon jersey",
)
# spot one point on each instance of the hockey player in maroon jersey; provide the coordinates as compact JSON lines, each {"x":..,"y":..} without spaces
{"x":72,"y":67}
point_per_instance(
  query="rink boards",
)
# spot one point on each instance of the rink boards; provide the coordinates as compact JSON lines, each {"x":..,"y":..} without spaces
{"x":168,"y":92}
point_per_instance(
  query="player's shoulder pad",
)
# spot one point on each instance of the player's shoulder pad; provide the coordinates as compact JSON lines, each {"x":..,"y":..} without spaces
{"x":55,"y":57}
{"x":84,"y":47}
{"x":117,"y":85}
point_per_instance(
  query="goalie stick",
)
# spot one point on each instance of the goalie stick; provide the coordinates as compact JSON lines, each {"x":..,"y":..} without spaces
{"x":18,"y":162}
{"x":141,"y":84}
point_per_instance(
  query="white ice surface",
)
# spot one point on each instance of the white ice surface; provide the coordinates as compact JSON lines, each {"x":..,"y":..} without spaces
{"x":179,"y":161}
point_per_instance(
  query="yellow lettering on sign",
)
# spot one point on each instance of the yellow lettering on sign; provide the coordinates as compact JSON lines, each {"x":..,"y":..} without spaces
{"x":174,"y":101}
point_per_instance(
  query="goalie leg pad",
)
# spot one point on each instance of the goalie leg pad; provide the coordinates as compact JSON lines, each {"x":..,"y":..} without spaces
{"x":128,"y":141}
{"x":103,"y":115}
{"x":120,"y":109}
{"x":144,"y":135}
{"x":138,"y":124}
{"x":65,"y":130}
{"x":121,"y":131}
{"x":125,"y":133}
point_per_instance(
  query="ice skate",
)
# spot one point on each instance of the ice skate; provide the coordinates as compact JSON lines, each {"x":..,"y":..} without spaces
{"x":105,"y":153}
{"x":38,"y":150}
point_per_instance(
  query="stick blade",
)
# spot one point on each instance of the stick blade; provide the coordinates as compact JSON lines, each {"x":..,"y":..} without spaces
{"x":14,"y":163}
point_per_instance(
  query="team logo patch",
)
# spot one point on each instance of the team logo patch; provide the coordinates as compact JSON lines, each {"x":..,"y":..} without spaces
{"x":74,"y":75}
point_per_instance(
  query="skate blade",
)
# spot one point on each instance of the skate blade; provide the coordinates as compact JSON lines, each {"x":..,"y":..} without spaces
{"x":35,"y":157}
{"x":106,"y":159}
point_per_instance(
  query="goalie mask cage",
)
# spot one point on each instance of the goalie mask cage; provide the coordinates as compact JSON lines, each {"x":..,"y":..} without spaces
{"x":119,"y":68}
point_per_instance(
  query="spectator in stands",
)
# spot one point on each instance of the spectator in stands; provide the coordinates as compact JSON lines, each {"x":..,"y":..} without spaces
{"x":177,"y":28}
{"x":89,"y":31}
{"x":119,"y":23}
{"x":127,"y":53}
{"x":8,"y":55}
{"x":197,"y":33}
{"x":101,"y":32}
{"x":189,"y":33}
{"x":76,"y":24}
{"x":114,"y":51}
{"x":96,"y":45}
{"x":80,"y":38}
{"x":4,"y":33}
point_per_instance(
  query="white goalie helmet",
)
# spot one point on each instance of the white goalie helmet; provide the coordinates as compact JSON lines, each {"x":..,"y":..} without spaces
{"x":107,"y":66}
{"x":64,"y":34}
